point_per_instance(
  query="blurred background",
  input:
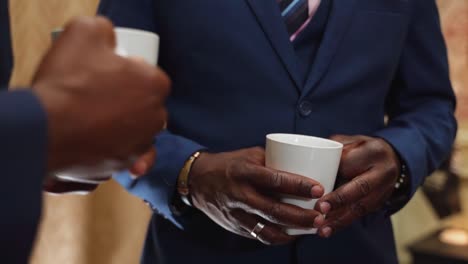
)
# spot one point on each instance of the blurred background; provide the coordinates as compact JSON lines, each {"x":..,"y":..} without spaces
{"x":109,"y":226}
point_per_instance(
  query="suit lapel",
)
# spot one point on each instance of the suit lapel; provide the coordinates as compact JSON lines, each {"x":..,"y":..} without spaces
{"x":340,"y":18}
{"x":269,"y":18}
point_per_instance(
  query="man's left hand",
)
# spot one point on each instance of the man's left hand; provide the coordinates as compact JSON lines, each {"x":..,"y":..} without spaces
{"x":368,"y":172}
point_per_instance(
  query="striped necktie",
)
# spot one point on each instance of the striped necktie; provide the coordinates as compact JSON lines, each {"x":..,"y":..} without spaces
{"x":297,"y":14}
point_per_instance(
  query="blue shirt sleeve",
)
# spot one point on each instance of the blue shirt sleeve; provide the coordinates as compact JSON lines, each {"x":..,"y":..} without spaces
{"x":159,"y":186}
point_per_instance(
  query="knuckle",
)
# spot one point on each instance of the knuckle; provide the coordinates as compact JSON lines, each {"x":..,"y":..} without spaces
{"x":103,"y":23}
{"x":393,"y":168}
{"x":388,"y":172}
{"x":148,"y":77}
{"x":82,"y":26}
{"x":378,"y":147}
{"x":80,"y":22}
{"x":305,"y":218}
{"x":363,"y":185}
{"x":235,"y":171}
{"x":337,"y":137}
{"x":247,"y":171}
{"x":255,"y":155}
{"x":339,"y":198}
{"x":257,"y":150}
{"x":236,"y":196}
{"x":230,"y":174}
{"x":303,"y":186}
{"x":276,"y":179}
{"x":275,"y":212}
{"x":163,"y":81}
{"x":275,"y":209}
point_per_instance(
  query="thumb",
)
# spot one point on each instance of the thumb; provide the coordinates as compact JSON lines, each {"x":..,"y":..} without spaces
{"x":144,"y":163}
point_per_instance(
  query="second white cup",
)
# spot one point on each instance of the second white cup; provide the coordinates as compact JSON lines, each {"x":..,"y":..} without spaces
{"x":313,"y":157}
{"x":138,"y":43}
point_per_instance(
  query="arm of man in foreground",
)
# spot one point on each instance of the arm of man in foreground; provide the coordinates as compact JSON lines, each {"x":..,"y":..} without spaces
{"x":21,"y":157}
{"x":80,"y":111}
{"x":23,"y":144}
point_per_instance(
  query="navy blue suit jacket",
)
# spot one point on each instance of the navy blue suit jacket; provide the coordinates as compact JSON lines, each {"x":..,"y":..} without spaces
{"x":236,"y":78}
{"x":22,"y":159}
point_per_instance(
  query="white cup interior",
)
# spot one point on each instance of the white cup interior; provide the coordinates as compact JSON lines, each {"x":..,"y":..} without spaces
{"x":305,"y":141}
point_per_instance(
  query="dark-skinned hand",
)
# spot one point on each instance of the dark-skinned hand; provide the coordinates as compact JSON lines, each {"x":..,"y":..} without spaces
{"x":100,"y":106}
{"x":368,"y":172}
{"x":237,"y":191}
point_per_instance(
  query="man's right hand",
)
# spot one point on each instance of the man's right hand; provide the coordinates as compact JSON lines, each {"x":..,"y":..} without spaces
{"x":237,"y":191}
{"x":99,"y":105}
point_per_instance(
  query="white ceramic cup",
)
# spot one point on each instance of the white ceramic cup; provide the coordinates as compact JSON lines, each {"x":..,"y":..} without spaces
{"x":313,"y":157}
{"x":130,"y":43}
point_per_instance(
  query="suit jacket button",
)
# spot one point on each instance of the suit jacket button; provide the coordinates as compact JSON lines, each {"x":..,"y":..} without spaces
{"x":305,"y":108}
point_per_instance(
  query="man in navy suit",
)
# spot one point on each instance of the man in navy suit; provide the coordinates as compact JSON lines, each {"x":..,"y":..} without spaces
{"x":246,"y":68}
{"x":75,"y":114}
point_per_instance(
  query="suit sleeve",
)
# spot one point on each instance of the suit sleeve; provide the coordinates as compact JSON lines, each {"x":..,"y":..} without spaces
{"x":23,"y":136}
{"x":158,"y":187}
{"x":421,"y":104}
